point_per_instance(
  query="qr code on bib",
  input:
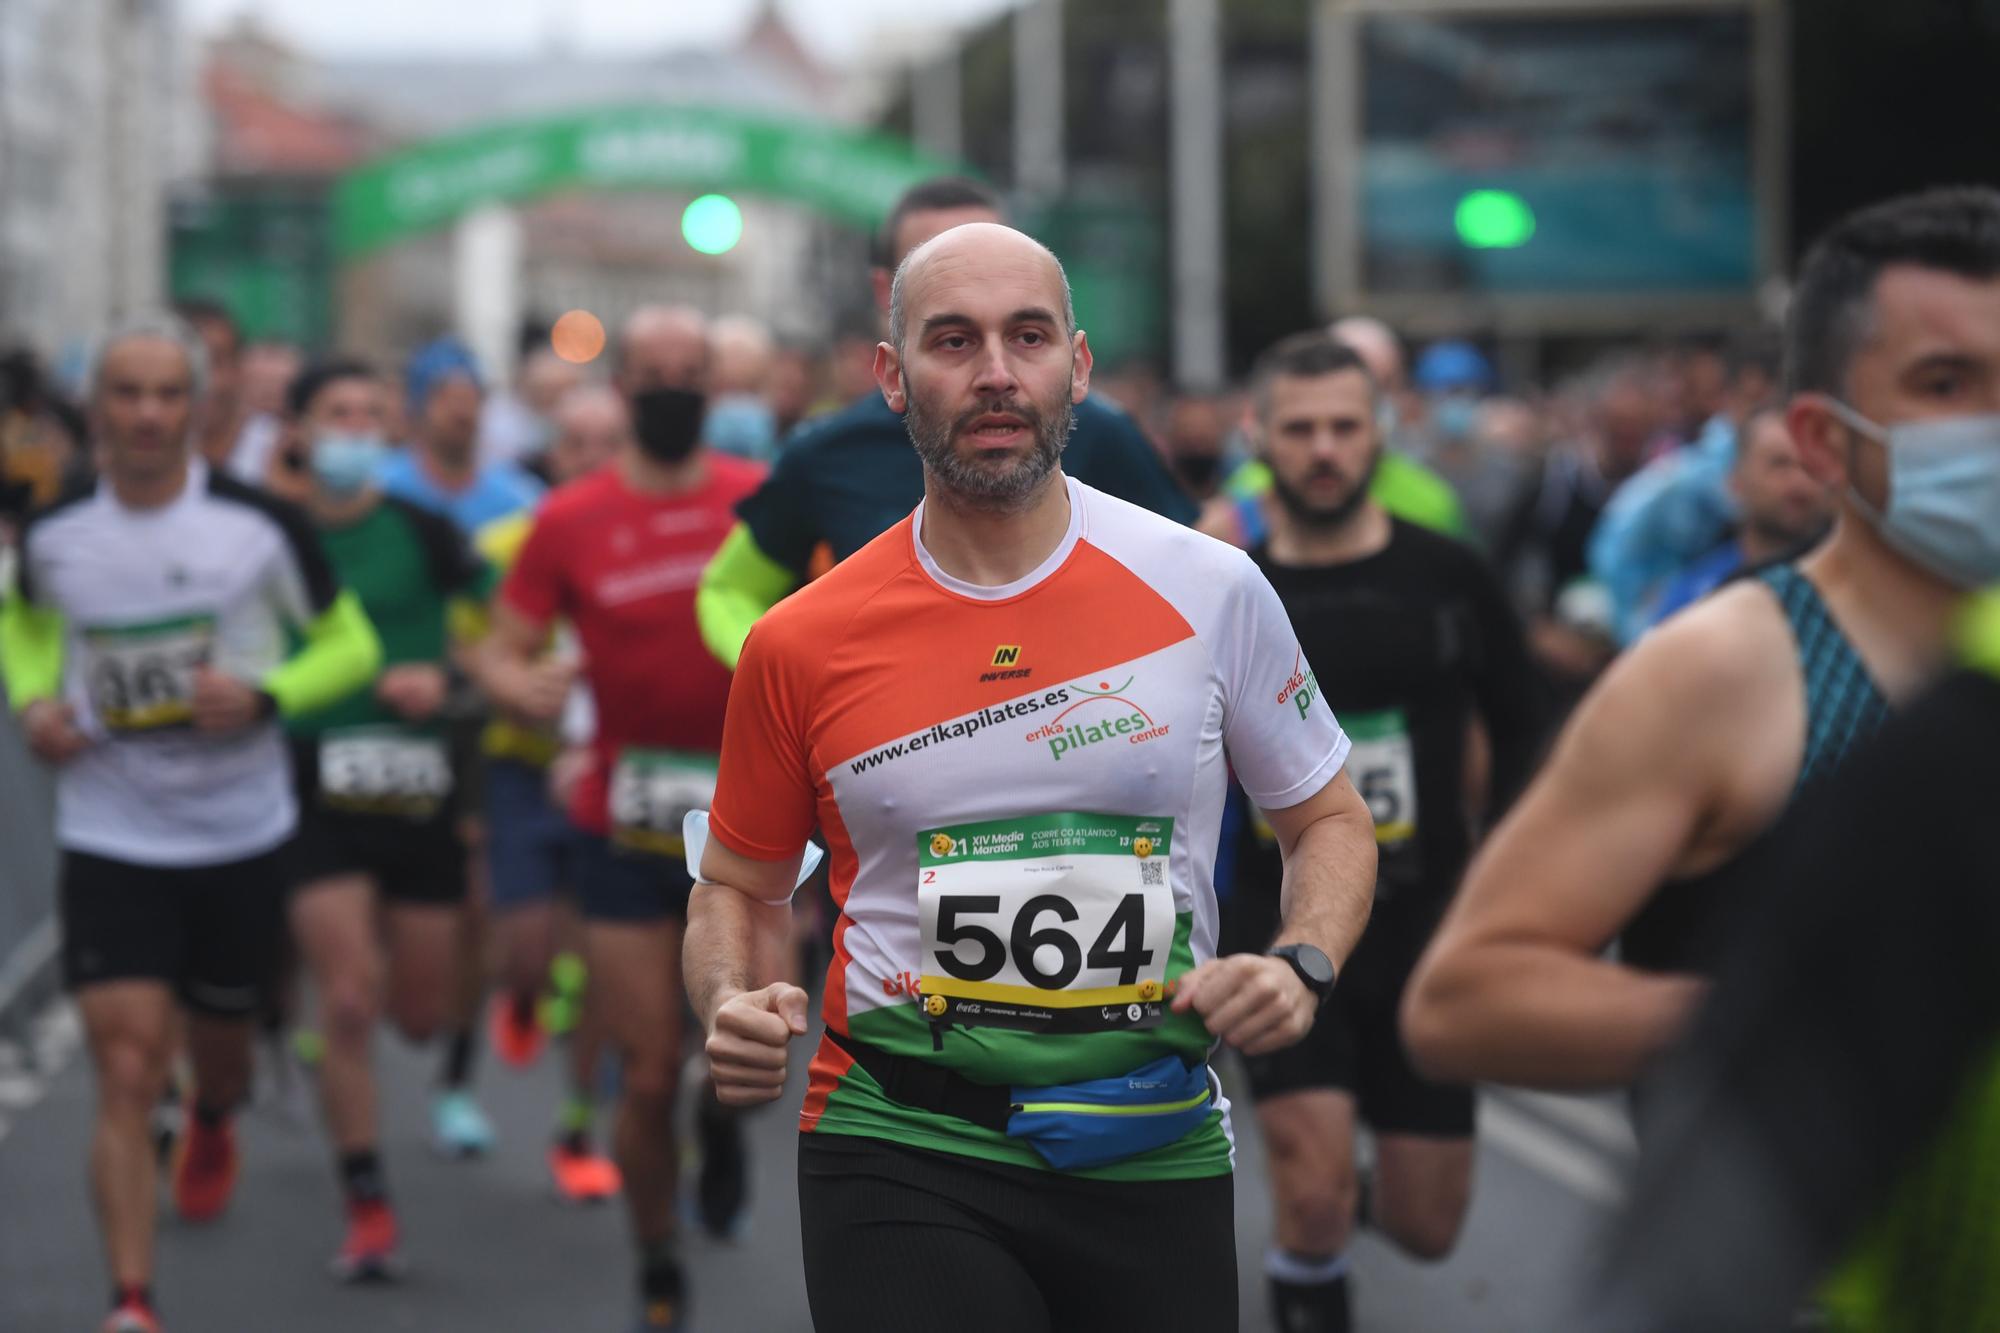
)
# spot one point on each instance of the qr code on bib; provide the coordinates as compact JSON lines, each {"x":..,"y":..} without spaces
{"x":1152,"y":873}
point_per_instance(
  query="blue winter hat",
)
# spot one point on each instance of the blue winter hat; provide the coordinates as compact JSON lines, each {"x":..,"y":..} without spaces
{"x":1446,"y":366}
{"x":435,"y":363}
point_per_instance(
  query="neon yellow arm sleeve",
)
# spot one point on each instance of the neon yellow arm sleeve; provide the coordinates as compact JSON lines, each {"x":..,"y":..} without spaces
{"x":739,"y":585}
{"x":466,"y":620}
{"x":340,"y":655}
{"x":1979,"y":632}
{"x":31,"y":650}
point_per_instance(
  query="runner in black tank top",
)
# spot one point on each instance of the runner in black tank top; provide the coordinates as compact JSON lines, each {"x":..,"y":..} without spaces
{"x":1648,"y":817}
{"x":1677,"y":930}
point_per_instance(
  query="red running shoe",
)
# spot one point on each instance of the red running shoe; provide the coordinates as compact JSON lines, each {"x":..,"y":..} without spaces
{"x":204,"y":1170}
{"x":515,"y":1030}
{"x":134,"y":1316}
{"x":370,"y":1253}
{"x":581,"y":1175}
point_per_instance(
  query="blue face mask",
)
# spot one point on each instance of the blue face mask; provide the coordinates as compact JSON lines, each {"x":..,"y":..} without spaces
{"x":1944,"y":493}
{"x":1456,"y":417}
{"x":344,"y":464}
{"x":1387,"y":419}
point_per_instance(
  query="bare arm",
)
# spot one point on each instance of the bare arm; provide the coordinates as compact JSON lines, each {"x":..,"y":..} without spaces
{"x":1512,"y":987}
{"x":510,"y":666}
{"x":1255,"y":1002}
{"x":1328,"y":842}
{"x":740,"y":913}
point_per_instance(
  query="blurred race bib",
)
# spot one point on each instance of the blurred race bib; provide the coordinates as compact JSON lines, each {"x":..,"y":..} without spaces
{"x":141,"y":677}
{"x":384,"y":771}
{"x":652,"y":794}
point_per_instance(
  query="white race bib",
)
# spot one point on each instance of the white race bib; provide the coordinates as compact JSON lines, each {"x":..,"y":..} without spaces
{"x":652,"y":794}
{"x":384,"y":770}
{"x":1055,"y":922}
{"x":1383,"y":768}
{"x":141,"y":677}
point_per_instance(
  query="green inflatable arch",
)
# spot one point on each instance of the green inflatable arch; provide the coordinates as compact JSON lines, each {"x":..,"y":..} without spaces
{"x":852,"y":176}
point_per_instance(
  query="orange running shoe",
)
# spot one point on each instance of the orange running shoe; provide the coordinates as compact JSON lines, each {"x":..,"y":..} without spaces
{"x":581,"y":1175}
{"x":133,"y":1316}
{"x":515,"y":1030}
{"x":370,"y":1253}
{"x":204,"y":1169}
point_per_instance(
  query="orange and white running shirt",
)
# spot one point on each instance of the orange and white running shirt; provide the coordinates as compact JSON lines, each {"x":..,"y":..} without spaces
{"x":1021,"y":791}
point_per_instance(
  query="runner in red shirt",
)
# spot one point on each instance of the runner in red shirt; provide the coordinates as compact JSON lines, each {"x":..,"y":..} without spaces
{"x":618,"y":554}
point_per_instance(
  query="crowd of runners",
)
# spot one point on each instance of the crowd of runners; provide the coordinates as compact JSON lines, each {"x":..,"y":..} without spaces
{"x":1055,"y":732}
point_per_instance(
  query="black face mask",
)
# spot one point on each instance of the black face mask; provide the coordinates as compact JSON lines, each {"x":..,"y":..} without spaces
{"x":1198,"y":470}
{"x":668,"y":421}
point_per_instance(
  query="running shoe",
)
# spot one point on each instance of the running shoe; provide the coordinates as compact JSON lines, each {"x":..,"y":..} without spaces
{"x":662,"y":1298}
{"x":581,"y":1174}
{"x":515,"y":1030}
{"x":132,"y":1317}
{"x":659,"y":1315}
{"x":370,"y":1252}
{"x":461,"y":1128}
{"x":724,"y":1183}
{"x":204,"y":1170}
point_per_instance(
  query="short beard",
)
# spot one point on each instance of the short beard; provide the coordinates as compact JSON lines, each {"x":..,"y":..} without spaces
{"x":1324,"y":519}
{"x":976,"y":483}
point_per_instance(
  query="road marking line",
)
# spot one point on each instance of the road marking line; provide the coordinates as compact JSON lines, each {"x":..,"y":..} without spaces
{"x":19,"y":1091}
{"x":1534,"y":1146}
{"x":1592,"y":1121}
{"x":56,"y":1035}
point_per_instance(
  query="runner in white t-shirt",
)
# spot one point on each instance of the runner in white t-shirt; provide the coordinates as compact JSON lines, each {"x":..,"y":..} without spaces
{"x":144,"y":644}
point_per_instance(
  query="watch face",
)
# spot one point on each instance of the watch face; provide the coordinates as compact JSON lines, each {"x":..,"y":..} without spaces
{"x":1316,"y":964}
{"x":1311,"y":962}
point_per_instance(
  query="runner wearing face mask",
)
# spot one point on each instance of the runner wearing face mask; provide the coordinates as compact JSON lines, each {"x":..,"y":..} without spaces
{"x":376,"y":840}
{"x":618,"y":555}
{"x":1651,"y":821}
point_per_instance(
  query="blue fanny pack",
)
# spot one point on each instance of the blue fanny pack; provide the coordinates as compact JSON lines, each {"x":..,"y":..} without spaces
{"x":1104,"y":1120}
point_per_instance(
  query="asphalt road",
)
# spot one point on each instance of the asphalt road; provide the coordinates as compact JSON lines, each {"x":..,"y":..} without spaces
{"x":491,"y":1249}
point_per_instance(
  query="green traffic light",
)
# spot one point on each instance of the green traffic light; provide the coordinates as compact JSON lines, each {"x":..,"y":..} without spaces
{"x":1494,"y":220}
{"x":712,"y":224}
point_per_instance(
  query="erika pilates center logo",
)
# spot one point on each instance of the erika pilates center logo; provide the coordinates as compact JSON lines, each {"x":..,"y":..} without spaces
{"x":1114,"y":717}
{"x":1301,"y":687}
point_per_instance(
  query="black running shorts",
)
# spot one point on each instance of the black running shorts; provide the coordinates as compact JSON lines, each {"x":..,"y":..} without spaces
{"x":904,"y":1240}
{"x":211,"y":933}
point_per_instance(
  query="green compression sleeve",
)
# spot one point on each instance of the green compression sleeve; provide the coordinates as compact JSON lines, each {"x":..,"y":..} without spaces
{"x":739,"y":585}
{"x":340,"y":655}
{"x":31,"y":650}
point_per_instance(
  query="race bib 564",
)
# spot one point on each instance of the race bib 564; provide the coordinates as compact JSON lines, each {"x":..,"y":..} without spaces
{"x":1055,"y":922}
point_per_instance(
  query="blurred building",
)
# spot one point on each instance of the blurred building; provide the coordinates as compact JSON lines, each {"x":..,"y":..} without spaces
{"x":1543,"y":177}
{"x":288,"y":127}
{"x":98,"y":120}
{"x":251,"y":231}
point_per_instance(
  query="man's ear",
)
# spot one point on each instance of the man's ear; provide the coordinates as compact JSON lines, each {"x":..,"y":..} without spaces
{"x":1081,"y":362}
{"x":1825,"y":442}
{"x":889,"y":377}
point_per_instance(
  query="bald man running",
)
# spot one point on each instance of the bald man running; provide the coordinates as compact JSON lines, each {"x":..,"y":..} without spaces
{"x":617,"y":554}
{"x":1014,"y":715}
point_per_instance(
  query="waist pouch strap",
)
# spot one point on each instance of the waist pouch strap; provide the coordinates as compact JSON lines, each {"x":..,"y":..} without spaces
{"x":928,"y":1087}
{"x":1072,"y":1126}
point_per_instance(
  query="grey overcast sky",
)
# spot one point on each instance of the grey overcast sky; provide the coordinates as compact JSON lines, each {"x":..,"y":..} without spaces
{"x":837,"y":29}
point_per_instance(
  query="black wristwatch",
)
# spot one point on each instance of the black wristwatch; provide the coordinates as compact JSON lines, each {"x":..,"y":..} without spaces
{"x":1312,"y":965}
